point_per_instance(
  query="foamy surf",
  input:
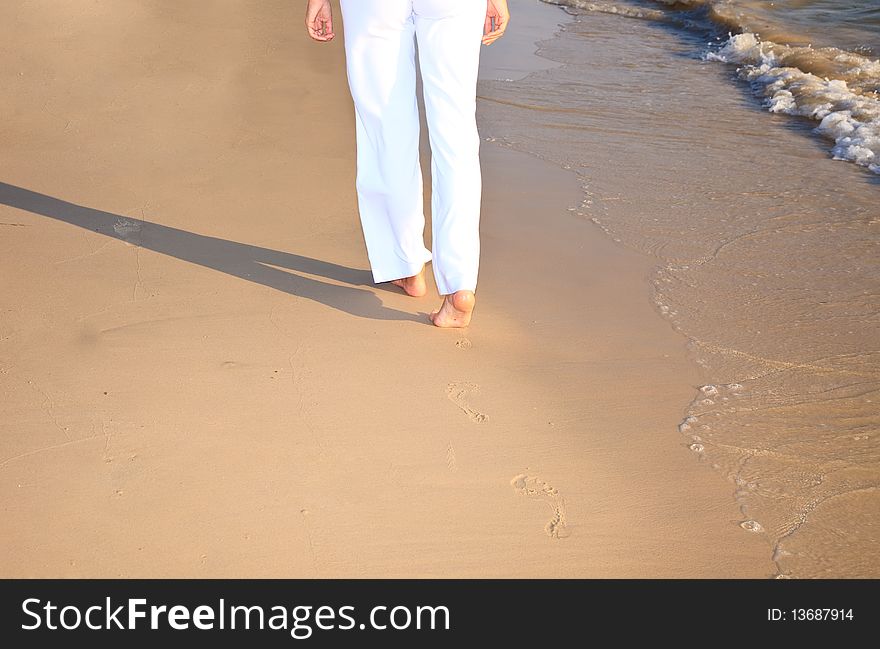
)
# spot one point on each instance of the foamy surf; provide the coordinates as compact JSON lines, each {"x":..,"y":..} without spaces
{"x":848,"y":115}
{"x":835,"y":87}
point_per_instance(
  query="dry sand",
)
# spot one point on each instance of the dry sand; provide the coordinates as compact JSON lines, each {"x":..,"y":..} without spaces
{"x":199,"y":379}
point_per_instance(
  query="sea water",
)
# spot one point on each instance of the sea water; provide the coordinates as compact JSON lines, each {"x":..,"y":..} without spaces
{"x":745,"y":163}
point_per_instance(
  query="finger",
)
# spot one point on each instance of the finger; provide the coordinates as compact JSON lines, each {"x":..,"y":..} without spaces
{"x":318,"y":30}
{"x":328,"y":24}
{"x":491,"y":37}
{"x":312,"y":25}
{"x":498,"y":32}
{"x":490,"y":41}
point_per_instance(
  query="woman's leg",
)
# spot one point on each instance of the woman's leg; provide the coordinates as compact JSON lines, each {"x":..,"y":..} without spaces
{"x":449,"y":34}
{"x":380,"y":60}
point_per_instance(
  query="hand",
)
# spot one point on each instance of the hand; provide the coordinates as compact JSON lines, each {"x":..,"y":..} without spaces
{"x":319,"y":20}
{"x":497,"y":13}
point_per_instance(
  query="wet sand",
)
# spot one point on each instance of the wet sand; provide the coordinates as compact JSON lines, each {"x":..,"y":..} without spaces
{"x":200,"y":379}
{"x":766,"y":261}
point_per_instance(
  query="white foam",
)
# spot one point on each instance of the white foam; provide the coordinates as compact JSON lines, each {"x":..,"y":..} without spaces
{"x":848,"y":116}
{"x":125,"y":227}
{"x":709,"y":390}
{"x":752,"y":526}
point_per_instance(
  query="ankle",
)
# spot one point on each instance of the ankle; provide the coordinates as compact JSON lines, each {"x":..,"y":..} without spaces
{"x":462,"y":300}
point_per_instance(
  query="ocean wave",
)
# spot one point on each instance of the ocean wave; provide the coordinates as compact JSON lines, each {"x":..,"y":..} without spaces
{"x":838,"y":88}
{"x":612,"y":8}
{"x":847,"y":107}
{"x":852,"y":26}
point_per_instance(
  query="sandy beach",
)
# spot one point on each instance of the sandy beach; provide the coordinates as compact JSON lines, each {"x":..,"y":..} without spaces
{"x":199,"y":378}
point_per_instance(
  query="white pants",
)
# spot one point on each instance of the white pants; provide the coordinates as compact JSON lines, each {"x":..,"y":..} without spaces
{"x":380,"y":46}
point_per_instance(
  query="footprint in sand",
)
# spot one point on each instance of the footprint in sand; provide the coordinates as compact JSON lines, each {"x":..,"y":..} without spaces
{"x":451,"y":462}
{"x":534,"y":487}
{"x":457,"y":393}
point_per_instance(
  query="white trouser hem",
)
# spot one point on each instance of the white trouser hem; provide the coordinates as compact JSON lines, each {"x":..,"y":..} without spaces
{"x":404,"y":270}
{"x":453,"y":285}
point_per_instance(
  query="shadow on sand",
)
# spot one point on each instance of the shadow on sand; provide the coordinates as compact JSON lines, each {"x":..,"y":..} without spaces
{"x":252,"y":263}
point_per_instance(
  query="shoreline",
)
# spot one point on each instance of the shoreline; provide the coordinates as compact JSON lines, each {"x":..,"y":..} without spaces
{"x":745,"y":272}
{"x":235,"y":398}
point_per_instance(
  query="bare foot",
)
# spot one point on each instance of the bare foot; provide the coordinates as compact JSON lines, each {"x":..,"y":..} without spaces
{"x":455,"y":311}
{"x":415,"y":285}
